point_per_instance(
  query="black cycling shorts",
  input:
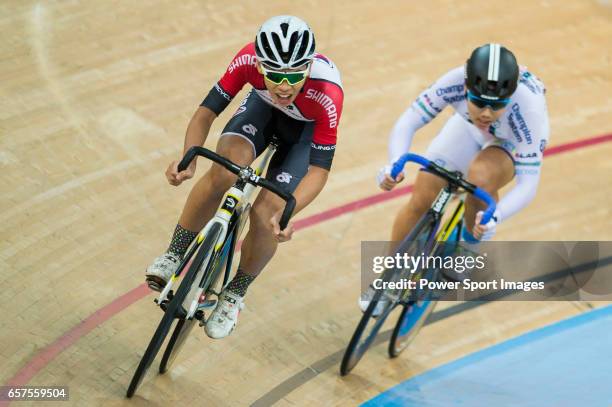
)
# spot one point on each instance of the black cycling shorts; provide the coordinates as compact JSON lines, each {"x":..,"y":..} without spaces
{"x":258,"y":122}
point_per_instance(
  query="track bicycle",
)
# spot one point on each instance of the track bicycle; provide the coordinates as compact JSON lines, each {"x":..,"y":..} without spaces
{"x":428,"y":237}
{"x":210,"y":254}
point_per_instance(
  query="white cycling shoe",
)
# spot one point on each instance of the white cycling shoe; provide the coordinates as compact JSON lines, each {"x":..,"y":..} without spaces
{"x":223,"y":319}
{"x":162,"y":269}
{"x":366,"y":298}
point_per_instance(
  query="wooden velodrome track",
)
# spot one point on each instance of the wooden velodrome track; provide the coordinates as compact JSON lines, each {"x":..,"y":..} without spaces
{"x":95,"y":100}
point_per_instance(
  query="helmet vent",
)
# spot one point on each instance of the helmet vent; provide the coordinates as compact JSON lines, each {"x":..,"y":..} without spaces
{"x":284,"y":28}
{"x":267,"y":51}
{"x":279,"y":48}
{"x":303,"y":46}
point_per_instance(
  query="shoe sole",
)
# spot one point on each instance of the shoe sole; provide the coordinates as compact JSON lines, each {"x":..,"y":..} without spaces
{"x":155,"y":283}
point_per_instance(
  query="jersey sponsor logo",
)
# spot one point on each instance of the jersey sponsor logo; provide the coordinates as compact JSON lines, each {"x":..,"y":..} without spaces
{"x":532,"y":83}
{"x":239,"y":110}
{"x":245,"y":59}
{"x":454,"y":99}
{"x":222,"y":92}
{"x":526,"y":155}
{"x":249,"y":129}
{"x":284,"y":177}
{"x":242,"y":106}
{"x":525,"y":81}
{"x":520,"y":126}
{"x":327,"y":103}
{"x":515,"y":131}
{"x":450,"y":89}
{"x":323,"y":147}
{"x":526,"y":171}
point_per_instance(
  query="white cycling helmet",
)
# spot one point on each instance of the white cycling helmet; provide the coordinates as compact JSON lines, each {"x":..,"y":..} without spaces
{"x":284,"y":42}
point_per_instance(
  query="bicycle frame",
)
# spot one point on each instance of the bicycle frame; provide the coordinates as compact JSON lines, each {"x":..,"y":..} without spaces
{"x":228,"y":216}
{"x":214,"y":245}
{"x":425,"y":238}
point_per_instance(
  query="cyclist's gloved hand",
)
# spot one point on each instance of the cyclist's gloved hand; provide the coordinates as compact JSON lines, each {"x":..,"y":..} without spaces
{"x":175,"y":177}
{"x":384,"y":178}
{"x":485,"y":232}
{"x":281,"y":235}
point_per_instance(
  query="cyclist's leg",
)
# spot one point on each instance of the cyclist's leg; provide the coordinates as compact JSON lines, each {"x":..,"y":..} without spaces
{"x":426,"y":188}
{"x":452,"y":148}
{"x":242,"y":139}
{"x":491,"y":169}
{"x":287,"y":167}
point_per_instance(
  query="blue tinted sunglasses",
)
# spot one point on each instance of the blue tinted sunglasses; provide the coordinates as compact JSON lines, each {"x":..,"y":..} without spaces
{"x":482,"y":103}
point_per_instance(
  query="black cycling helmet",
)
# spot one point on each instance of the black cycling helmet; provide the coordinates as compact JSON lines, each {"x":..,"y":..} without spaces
{"x":491,"y":72}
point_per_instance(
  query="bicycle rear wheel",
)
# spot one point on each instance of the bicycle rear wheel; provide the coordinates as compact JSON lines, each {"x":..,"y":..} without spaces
{"x":173,"y":310}
{"x":410,"y":321}
{"x":180,"y":333}
{"x":417,"y":310}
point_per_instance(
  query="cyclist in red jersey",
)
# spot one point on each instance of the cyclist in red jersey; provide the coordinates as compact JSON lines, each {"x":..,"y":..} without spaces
{"x":297,"y":97}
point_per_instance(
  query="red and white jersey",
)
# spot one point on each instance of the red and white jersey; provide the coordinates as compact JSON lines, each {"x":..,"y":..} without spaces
{"x":319,"y":101}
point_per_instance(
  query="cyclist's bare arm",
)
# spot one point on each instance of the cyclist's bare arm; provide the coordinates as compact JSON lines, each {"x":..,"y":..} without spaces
{"x":308,"y":189}
{"x":197,"y":132}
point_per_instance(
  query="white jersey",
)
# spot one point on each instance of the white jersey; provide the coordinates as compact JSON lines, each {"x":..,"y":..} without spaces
{"x":522,"y":129}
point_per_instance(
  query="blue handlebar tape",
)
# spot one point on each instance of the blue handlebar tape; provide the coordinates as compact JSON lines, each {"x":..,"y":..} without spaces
{"x":398,"y":166}
{"x":491,"y":205}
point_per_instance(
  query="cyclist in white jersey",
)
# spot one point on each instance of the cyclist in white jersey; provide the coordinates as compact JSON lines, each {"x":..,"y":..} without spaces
{"x":499,"y":131}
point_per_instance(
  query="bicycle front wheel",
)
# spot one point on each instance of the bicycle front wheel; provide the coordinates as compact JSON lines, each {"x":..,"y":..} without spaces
{"x":173,"y":310}
{"x":367,"y":329}
{"x":184,"y":326}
